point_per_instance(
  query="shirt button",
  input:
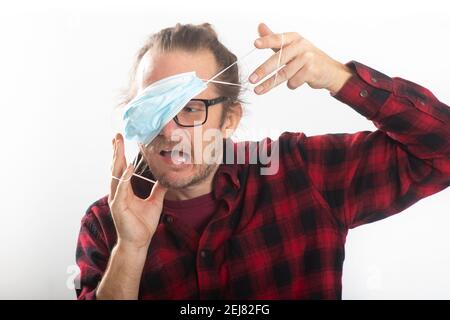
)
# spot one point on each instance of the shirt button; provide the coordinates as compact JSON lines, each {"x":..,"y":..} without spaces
{"x":364,"y":93}
{"x":169,"y":219}
{"x":422,"y":102}
{"x":203,"y":254}
{"x":374,"y":80}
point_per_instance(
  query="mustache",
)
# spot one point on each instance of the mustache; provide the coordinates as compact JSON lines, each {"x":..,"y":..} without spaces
{"x":160,"y":143}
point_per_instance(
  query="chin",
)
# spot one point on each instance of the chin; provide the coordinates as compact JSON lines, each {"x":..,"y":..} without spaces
{"x":175,"y":180}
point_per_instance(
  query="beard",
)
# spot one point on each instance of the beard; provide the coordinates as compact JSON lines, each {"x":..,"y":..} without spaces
{"x":201,"y":172}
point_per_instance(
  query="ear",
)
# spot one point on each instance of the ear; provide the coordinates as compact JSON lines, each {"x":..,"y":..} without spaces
{"x":232,"y":120}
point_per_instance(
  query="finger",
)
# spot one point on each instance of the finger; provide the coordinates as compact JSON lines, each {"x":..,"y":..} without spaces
{"x":273,"y":41}
{"x":298,"y":79}
{"x":264,"y":30}
{"x":121,"y":162}
{"x":283,"y":74}
{"x":275,"y":61}
{"x":114,"y":182}
{"x":157,"y":194}
{"x":118,"y":165}
{"x":124,"y":186}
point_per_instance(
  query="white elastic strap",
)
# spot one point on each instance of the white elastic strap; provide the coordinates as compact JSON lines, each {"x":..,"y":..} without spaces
{"x":279,"y":60}
{"x":220,"y":72}
{"x":136,"y":165}
{"x":145,"y":178}
{"x":136,"y":175}
{"x":224,"y":82}
{"x":140,"y":161}
{"x":120,"y":179}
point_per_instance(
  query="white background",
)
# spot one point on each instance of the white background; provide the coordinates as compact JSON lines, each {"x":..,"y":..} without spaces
{"x":61,"y":68}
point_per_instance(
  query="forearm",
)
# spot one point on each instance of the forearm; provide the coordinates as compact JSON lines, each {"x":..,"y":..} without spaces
{"x":123,"y":274}
{"x":406,"y":160}
{"x":409,"y":114}
{"x":368,"y":176}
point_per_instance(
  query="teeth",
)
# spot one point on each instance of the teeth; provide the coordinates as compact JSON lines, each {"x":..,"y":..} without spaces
{"x":180,"y":160}
{"x":178,"y":157}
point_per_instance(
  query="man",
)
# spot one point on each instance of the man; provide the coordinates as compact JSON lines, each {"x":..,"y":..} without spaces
{"x":223,"y":230}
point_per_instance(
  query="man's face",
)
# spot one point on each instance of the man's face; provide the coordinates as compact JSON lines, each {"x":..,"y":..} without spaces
{"x":191,"y":167}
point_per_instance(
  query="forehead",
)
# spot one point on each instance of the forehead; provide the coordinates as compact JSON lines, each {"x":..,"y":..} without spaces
{"x":155,"y":66}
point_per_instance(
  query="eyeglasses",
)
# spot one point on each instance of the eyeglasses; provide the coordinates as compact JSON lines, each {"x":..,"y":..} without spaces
{"x":195,"y":112}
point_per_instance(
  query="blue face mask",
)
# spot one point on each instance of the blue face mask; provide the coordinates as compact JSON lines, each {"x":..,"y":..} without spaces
{"x":157,"y":104}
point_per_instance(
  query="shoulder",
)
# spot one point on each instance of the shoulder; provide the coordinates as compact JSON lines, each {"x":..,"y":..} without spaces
{"x":98,"y":221}
{"x":97,"y":210}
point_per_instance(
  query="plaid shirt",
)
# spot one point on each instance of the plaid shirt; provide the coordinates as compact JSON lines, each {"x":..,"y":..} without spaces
{"x":282,"y":236}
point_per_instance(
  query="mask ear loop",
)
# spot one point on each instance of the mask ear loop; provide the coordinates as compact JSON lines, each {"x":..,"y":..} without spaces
{"x":136,"y":165}
{"x":237,"y":60}
{"x":136,"y":175}
{"x":243,"y":57}
{"x":225,"y":69}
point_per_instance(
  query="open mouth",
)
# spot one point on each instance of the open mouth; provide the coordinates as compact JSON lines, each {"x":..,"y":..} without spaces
{"x":175,"y":156}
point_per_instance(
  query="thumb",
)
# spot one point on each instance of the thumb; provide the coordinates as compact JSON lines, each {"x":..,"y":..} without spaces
{"x":264,"y":30}
{"x":157,"y":194}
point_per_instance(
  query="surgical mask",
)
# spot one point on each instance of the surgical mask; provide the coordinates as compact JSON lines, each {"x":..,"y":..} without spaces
{"x":151,"y":110}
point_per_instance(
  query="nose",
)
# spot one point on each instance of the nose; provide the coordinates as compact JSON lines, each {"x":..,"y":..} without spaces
{"x":168,"y":129}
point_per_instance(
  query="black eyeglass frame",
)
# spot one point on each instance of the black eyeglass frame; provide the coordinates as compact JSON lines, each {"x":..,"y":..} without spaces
{"x":208,"y":103}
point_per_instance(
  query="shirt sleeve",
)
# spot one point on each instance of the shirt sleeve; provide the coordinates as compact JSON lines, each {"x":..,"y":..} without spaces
{"x":92,"y":254}
{"x":367,"y":176}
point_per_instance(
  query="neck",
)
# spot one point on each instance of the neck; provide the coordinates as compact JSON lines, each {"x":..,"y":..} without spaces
{"x":193,"y":191}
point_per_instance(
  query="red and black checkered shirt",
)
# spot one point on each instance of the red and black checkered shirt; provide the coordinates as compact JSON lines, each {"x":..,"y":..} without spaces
{"x":282,"y":236}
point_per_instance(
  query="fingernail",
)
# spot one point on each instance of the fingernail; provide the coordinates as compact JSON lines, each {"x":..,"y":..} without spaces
{"x":253,"y":78}
{"x":258,"y":89}
{"x":258,"y":43}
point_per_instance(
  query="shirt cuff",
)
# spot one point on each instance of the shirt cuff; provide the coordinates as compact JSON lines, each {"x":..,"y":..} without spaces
{"x":366,"y":91}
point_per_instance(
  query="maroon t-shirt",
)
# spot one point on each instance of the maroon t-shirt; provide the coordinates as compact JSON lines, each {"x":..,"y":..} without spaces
{"x":194,"y":213}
